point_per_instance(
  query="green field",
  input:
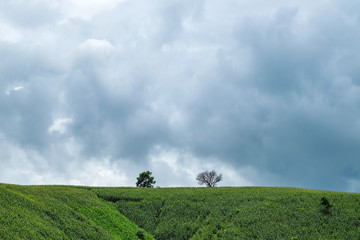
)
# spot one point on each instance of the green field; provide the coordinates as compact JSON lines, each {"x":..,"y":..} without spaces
{"x":238,"y":213}
{"x":60,"y":212}
{"x":64,"y":212}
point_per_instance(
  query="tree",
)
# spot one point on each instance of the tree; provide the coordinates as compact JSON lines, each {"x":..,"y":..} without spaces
{"x":208,"y":178}
{"x":145,"y":180}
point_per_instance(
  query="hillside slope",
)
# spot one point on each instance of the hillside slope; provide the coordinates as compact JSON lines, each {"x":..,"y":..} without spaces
{"x":61,"y":212}
{"x":67,"y":212}
{"x":238,"y":213}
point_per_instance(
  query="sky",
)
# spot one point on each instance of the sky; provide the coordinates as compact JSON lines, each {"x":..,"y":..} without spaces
{"x":267,"y":93}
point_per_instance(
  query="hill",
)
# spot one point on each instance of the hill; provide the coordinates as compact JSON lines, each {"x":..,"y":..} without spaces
{"x":66,"y":212}
{"x":239,"y":212}
{"x":61,"y":212}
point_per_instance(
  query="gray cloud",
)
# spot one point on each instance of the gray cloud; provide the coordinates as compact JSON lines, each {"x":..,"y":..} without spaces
{"x":29,"y":14}
{"x":269,"y":94}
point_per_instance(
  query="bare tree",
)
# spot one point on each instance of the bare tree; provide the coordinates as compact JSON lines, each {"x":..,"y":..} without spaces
{"x":208,"y":178}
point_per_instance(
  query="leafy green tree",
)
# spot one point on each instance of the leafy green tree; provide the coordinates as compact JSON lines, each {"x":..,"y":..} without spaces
{"x":208,"y":178}
{"x":145,"y":180}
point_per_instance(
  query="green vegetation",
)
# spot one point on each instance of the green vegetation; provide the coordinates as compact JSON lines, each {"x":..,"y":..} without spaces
{"x":145,"y":180}
{"x":239,"y":213}
{"x":60,"y":212}
{"x":65,"y":212}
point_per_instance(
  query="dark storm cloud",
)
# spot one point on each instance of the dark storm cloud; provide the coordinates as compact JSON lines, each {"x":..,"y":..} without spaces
{"x":98,"y":111}
{"x":26,"y":113}
{"x":269,"y":90}
{"x":311,"y":134}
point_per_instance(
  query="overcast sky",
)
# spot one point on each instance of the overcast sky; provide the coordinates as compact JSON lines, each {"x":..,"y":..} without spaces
{"x":93,"y":92}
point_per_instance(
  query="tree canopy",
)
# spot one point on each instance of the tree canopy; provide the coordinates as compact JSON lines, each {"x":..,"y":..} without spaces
{"x":145,"y":180}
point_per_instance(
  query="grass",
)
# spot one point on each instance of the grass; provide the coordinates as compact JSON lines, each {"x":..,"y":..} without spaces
{"x":238,"y":213}
{"x":66,"y":212}
{"x":60,"y":212}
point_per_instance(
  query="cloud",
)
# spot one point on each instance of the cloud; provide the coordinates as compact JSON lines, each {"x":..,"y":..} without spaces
{"x":59,"y":125}
{"x":9,"y":34}
{"x":85,"y":10}
{"x":178,"y":168}
{"x":29,"y":14}
{"x":267,"y":94}
{"x":95,"y":45}
{"x":14,"y":89}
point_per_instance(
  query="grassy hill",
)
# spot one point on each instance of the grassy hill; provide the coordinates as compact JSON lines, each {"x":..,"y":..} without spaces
{"x":239,"y":213}
{"x":64,"y":212}
{"x":61,"y":212}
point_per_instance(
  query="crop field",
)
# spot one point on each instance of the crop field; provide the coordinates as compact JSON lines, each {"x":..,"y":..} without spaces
{"x":238,"y":213}
{"x":68,"y":212}
{"x":60,"y":212}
